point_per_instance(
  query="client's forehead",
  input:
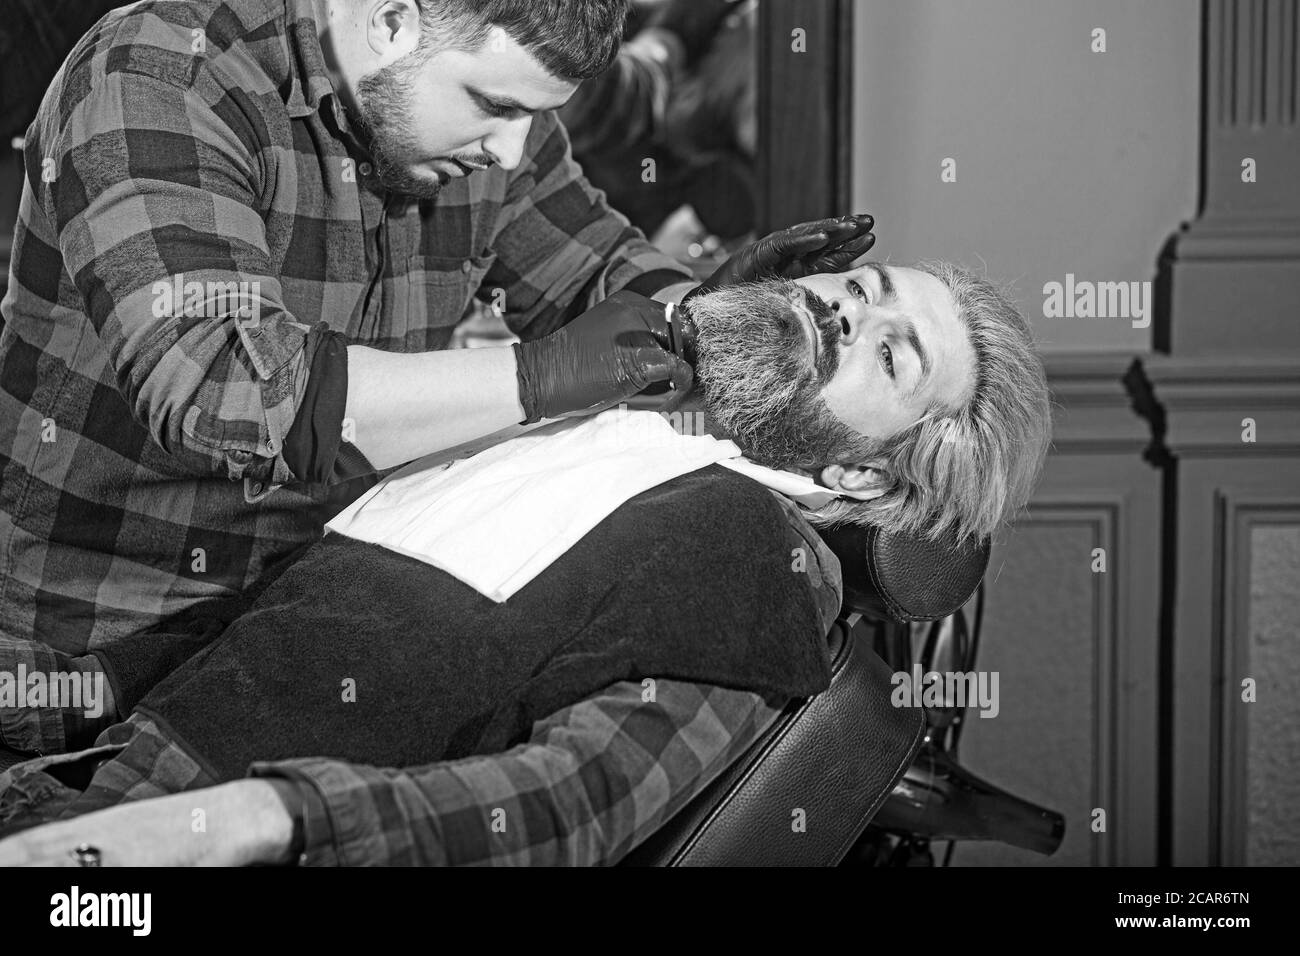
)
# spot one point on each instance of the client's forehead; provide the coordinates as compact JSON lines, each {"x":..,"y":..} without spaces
{"x":927,"y":301}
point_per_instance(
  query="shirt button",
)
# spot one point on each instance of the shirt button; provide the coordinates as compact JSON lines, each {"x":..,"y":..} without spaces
{"x":270,"y":445}
{"x":466,"y":266}
{"x":366,"y":169}
{"x":257,"y":488}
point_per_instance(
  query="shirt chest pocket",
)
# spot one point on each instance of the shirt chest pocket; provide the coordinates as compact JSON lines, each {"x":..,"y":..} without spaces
{"x":431,"y":298}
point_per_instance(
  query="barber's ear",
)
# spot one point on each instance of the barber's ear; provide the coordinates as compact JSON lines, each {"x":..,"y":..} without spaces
{"x":863,"y":482}
{"x":393,"y":29}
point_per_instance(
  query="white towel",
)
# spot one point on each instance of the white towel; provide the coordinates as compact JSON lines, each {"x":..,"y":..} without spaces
{"x":498,"y":519}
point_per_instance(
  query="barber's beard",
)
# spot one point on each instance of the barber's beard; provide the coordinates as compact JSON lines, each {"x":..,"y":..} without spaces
{"x":386,"y":99}
{"x":758,"y":381}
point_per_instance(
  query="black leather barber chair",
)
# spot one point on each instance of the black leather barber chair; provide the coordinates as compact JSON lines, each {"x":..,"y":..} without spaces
{"x":806,"y":791}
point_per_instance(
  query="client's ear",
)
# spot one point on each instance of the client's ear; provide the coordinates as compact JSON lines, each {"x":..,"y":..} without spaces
{"x":862,"y":482}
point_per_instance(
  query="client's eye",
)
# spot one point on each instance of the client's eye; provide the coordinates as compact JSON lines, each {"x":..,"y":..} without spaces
{"x":857,"y":290}
{"x":887,"y":357}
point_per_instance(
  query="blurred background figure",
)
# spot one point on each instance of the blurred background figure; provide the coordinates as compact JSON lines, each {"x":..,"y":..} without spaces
{"x":682,"y":96}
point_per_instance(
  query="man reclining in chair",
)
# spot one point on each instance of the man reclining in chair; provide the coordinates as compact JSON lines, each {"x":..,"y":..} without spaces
{"x":373,"y":707}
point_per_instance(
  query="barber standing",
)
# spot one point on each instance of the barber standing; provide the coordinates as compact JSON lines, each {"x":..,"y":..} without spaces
{"x":247,"y":231}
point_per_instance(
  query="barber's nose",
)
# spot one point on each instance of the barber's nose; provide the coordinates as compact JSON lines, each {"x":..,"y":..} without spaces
{"x":505,"y":144}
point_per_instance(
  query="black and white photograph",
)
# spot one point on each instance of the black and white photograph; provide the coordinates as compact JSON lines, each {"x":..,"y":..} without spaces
{"x":854,"y":434}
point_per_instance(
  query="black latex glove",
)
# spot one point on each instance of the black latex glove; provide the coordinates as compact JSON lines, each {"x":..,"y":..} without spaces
{"x":825,"y":245}
{"x":602,"y":357}
{"x":695,"y":22}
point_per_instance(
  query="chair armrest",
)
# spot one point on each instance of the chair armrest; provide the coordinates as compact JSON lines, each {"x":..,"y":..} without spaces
{"x":905,"y":577}
{"x":835,"y":756}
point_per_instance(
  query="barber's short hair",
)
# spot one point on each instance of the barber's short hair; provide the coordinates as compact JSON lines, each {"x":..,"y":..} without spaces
{"x":572,"y":39}
{"x":966,"y":471}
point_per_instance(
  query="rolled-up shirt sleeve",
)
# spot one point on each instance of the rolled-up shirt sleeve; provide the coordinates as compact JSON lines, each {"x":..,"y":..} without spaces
{"x":156,"y":198}
{"x":318,"y":447}
{"x":560,"y":248}
{"x":593,"y":781}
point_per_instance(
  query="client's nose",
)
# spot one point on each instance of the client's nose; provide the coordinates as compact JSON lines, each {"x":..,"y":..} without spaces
{"x":850,"y":314}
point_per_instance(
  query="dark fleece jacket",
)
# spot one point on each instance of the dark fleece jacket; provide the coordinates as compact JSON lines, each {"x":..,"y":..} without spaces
{"x":362,"y":654}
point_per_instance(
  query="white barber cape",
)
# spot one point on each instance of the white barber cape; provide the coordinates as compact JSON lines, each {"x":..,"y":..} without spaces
{"x":499,"y":518}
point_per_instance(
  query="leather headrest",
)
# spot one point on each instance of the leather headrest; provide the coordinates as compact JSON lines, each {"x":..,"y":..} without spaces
{"x":905,"y":577}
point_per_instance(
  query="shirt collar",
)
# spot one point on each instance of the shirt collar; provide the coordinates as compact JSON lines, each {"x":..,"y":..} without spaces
{"x":797,"y":488}
{"x":310,"y":85}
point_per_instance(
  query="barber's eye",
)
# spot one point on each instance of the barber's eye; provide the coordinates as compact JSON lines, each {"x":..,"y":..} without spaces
{"x":856,"y":289}
{"x":887,"y":357}
{"x":495,"y":109}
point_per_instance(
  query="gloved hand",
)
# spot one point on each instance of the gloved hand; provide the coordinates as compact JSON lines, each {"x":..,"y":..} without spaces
{"x":602,"y":357}
{"x":824,"y":245}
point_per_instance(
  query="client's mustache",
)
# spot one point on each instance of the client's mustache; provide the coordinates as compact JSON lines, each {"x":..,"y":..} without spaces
{"x":823,"y":320}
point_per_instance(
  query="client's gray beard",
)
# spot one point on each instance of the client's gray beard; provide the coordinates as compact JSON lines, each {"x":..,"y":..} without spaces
{"x":383,"y":98}
{"x":758,"y":383}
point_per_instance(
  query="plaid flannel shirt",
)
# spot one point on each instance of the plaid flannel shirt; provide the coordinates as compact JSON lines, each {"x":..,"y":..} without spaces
{"x":142,"y":418}
{"x":592,"y":781}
